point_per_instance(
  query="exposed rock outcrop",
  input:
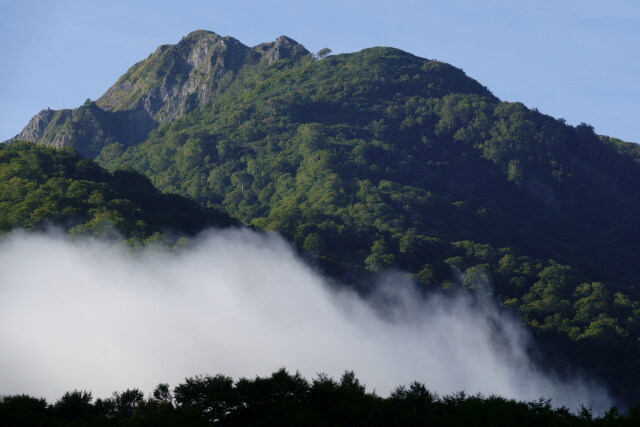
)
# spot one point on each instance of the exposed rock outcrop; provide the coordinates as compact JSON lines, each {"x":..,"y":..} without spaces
{"x":282,"y":48}
{"x":176,"y":79}
{"x":36,"y":127}
{"x":173,"y":81}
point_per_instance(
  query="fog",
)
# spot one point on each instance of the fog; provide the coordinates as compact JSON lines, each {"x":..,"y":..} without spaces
{"x":86,"y":314}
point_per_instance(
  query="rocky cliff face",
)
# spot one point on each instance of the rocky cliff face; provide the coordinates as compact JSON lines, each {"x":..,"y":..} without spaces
{"x":36,"y":127}
{"x":282,"y":48}
{"x":87,"y":129}
{"x":171,"y":82}
{"x":177,"y":79}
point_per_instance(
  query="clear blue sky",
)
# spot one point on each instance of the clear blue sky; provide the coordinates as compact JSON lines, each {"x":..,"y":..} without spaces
{"x":576,"y":59}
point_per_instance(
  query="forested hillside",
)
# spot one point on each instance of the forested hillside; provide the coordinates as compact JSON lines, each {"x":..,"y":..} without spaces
{"x":381,"y":160}
{"x":41,"y":187}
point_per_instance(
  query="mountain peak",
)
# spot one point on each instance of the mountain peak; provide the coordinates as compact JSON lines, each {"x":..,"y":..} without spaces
{"x":175,"y":79}
{"x":198,"y":34}
{"x":281,"y":48}
{"x":206,"y":38}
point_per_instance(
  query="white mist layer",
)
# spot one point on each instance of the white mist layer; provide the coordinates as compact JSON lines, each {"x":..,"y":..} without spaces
{"x":87,"y":315}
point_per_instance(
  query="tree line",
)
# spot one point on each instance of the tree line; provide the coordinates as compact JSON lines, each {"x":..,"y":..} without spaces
{"x":288,"y":399}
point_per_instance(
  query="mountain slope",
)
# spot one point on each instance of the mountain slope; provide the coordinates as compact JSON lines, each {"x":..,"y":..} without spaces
{"x":382,"y":160}
{"x":176,"y":79}
{"x":384,"y":117}
{"x":171,"y":82}
{"x":41,"y":187}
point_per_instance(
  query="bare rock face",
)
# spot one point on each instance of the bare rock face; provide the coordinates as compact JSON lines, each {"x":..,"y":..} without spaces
{"x":36,"y":127}
{"x":46,"y":127}
{"x":282,"y":48}
{"x":176,"y":79}
{"x":137,"y":125}
{"x":173,"y":81}
{"x":87,"y":129}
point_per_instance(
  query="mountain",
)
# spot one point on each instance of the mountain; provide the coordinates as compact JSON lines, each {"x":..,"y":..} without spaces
{"x":380,"y":160}
{"x":42,"y":187}
{"x":170,"y":83}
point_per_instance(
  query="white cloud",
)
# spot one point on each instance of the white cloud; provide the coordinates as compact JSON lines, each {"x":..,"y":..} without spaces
{"x":89,"y":315}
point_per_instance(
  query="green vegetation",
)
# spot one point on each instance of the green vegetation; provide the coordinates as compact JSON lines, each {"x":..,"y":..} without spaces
{"x":382,"y":160}
{"x":379,"y":159}
{"x":286,"y":399}
{"x":41,"y":187}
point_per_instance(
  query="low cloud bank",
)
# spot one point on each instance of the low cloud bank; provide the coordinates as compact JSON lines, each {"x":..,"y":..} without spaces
{"x":88,"y":315}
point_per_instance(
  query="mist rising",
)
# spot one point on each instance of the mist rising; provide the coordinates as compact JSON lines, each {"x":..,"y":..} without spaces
{"x":88,"y":315}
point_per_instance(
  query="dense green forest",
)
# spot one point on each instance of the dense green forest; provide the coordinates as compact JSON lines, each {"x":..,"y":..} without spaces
{"x":381,"y":160}
{"x":42,"y":187}
{"x":286,"y":399}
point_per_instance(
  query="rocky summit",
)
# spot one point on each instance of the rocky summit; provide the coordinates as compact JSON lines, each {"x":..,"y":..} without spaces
{"x":173,"y":81}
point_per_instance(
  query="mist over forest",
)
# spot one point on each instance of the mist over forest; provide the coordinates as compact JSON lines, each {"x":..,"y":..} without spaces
{"x":226,"y":212}
{"x":93,"y":316}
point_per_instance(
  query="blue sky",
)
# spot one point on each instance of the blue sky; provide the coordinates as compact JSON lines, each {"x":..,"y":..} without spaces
{"x":576,"y":59}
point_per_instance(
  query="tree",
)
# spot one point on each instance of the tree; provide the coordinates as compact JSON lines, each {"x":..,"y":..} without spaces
{"x":162,"y":394}
{"x":74,"y":404}
{"x":323,"y":53}
{"x":211,"y":396}
{"x":314,"y":244}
